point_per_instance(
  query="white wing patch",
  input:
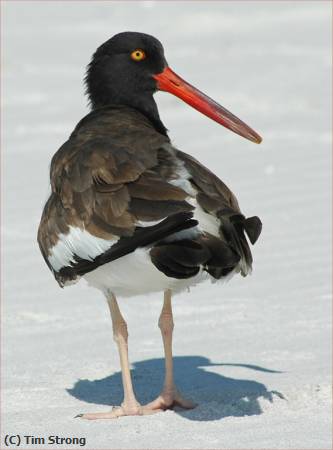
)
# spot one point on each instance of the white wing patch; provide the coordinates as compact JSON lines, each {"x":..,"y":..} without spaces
{"x":207,"y":222}
{"x":183,"y":181}
{"x":77,"y":242}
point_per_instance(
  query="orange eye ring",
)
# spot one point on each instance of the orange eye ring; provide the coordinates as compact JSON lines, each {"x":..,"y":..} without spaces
{"x":138,"y":55}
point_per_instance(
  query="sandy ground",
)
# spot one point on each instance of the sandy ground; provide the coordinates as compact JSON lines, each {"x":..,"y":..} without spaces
{"x":254,"y":353}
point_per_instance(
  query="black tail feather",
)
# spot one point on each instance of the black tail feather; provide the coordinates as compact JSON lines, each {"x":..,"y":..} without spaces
{"x":253,"y":227}
{"x":179,"y":259}
{"x":216,"y":255}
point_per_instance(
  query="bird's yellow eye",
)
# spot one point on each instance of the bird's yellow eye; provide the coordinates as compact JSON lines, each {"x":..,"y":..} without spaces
{"x":138,"y":55}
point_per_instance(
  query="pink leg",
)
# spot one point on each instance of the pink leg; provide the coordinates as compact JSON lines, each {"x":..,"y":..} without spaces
{"x":169,"y":396}
{"x":130,"y":405}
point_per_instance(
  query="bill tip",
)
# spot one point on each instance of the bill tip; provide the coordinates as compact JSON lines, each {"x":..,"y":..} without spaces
{"x":257,"y":139}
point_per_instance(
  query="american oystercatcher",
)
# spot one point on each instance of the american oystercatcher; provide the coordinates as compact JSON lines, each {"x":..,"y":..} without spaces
{"x":132,"y":214}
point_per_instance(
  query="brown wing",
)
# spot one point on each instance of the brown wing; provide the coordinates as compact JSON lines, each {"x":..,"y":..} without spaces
{"x":213,"y":195}
{"x":107,"y":178}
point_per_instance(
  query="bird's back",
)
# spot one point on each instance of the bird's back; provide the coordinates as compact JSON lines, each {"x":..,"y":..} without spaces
{"x":120,"y":189}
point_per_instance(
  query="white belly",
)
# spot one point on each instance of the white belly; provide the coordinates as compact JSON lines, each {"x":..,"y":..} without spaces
{"x":135,"y":274}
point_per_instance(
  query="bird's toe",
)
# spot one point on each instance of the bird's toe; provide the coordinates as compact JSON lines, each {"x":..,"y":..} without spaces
{"x":169,"y":400}
{"x":119,"y":411}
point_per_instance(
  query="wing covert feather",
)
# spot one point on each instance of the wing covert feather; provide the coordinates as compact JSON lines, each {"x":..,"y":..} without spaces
{"x":98,"y":183}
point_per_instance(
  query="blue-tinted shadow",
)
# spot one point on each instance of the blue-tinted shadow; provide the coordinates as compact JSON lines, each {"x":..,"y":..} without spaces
{"x":217,"y":396}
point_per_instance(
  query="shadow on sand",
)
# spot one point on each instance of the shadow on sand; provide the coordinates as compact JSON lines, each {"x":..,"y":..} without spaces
{"x":217,"y":396}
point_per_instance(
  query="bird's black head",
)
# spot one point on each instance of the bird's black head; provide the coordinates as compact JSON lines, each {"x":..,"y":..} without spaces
{"x":121,"y":72}
{"x":127,"y":70}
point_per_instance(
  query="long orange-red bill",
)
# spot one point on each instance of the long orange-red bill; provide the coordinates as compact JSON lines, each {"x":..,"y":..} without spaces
{"x":169,"y":81}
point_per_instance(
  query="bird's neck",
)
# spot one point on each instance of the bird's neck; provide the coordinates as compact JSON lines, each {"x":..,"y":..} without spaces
{"x":145,"y":104}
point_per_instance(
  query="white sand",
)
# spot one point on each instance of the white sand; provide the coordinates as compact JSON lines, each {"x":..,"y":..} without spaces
{"x":255,"y":353}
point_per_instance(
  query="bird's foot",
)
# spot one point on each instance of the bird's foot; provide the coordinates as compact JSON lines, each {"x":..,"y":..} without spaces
{"x":119,"y":411}
{"x":169,"y":400}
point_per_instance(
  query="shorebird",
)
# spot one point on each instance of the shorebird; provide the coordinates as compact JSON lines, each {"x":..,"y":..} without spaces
{"x":132,"y":214}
